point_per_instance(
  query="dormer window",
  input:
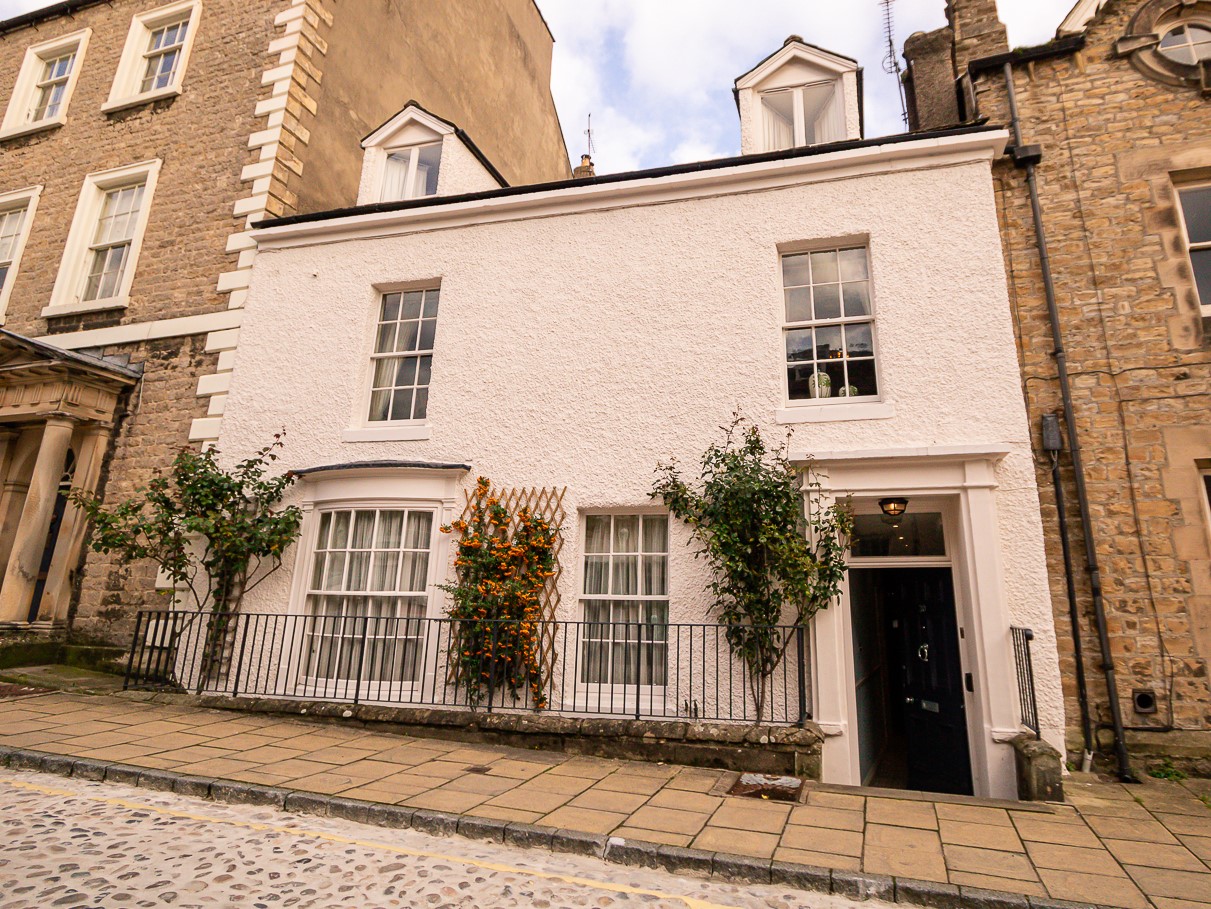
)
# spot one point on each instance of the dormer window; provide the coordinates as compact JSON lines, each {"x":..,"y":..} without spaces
{"x":802,"y":115}
{"x":800,"y":95}
{"x":411,"y":173}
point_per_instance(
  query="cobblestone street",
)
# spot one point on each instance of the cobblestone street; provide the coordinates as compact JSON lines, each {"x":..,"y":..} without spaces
{"x":78,"y":844}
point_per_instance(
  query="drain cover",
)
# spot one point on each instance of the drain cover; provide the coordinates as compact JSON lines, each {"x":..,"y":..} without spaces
{"x":479,"y":769}
{"x":760,"y":786}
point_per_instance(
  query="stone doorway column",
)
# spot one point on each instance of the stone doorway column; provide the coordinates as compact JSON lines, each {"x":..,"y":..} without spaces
{"x":21,"y":575}
{"x":57,"y":592}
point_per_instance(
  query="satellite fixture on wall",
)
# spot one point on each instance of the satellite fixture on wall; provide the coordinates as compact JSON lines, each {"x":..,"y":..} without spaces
{"x":891,"y":61}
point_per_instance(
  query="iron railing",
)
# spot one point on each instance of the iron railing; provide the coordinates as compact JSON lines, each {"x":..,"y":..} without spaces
{"x":664,"y":671}
{"x":1025,"y":666}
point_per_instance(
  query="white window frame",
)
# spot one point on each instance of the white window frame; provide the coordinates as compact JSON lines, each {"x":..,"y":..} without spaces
{"x":128,"y":80}
{"x":18,"y":115}
{"x":413,"y":152}
{"x":361,"y":427}
{"x":67,"y":296}
{"x":819,"y":408}
{"x":346,"y":686}
{"x":19,"y":199}
{"x":799,"y":136}
{"x":621,"y":696}
{"x":1179,"y":188}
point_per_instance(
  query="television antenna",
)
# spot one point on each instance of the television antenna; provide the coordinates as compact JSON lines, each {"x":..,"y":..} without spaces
{"x":589,"y":136}
{"x":891,"y":61}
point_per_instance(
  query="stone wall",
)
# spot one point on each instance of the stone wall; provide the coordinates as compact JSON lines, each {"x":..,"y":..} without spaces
{"x":1114,"y":143}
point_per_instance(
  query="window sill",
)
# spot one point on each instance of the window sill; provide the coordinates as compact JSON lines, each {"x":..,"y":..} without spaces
{"x":412,"y":433}
{"x":115,"y":105}
{"x":30,"y":129}
{"x":836,"y":413}
{"x":55,"y":310}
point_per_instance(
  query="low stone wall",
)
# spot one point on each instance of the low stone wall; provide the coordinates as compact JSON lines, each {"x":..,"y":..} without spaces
{"x":728,"y":746}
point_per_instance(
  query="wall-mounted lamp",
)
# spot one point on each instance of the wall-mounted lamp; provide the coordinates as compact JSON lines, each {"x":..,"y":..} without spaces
{"x":893,"y":508}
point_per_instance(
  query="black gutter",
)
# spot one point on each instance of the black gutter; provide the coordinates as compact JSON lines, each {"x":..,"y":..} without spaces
{"x":63,"y":8}
{"x":1027,"y":157}
{"x":1060,"y":47}
{"x":628,"y":176}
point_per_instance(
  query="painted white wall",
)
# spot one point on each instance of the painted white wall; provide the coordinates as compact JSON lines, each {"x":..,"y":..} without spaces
{"x":582,"y":349}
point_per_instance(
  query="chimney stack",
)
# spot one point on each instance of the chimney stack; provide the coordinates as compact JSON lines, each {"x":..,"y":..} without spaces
{"x":585,"y":170}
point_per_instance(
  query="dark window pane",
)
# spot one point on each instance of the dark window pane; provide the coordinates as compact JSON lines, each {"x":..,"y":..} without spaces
{"x":858,"y":341}
{"x":1201,"y":260}
{"x":853,"y":264}
{"x":431,"y":299}
{"x":421,"y":407}
{"x":824,"y":267}
{"x":1196,"y":207}
{"x":422,"y":376}
{"x":390,"y":307}
{"x":862,"y":377}
{"x":799,"y":345}
{"x":379,"y":403}
{"x":830,"y":378}
{"x":857,"y":299}
{"x":412,"y":302}
{"x":408,"y":333}
{"x":386,"y":338}
{"x":401,"y":404}
{"x":405,"y":372}
{"x":828,"y":301}
{"x":794,"y":271}
{"x":911,"y":534}
{"x":428,"y":329}
{"x":797,"y":381}
{"x":828,"y":342}
{"x":799,"y":304}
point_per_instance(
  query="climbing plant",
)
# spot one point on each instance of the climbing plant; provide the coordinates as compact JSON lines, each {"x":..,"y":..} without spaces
{"x":775,"y":548}
{"x":215,"y":533}
{"x":502,"y":563}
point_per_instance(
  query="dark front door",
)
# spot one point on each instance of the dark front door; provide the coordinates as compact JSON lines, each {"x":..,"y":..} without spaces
{"x":927,"y":684}
{"x":48,"y":552}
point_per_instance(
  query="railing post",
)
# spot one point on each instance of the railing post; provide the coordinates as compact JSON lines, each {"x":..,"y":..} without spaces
{"x":361,"y":660}
{"x":239,"y":660}
{"x":492,"y":663}
{"x":800,"y":635}
{"x":134,"y":645}
{"x":638,"y":666}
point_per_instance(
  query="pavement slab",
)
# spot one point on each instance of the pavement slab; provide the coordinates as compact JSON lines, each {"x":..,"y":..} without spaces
{"x":1127,"y":847}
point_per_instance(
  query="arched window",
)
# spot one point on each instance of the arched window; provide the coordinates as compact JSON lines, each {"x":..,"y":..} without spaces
{"x":1187,"y":43}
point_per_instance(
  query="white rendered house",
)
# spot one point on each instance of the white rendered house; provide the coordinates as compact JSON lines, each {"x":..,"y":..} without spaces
{"x":571,"y":336}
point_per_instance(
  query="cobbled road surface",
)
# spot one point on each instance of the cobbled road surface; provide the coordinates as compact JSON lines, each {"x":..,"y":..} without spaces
{"x":73,"y":843}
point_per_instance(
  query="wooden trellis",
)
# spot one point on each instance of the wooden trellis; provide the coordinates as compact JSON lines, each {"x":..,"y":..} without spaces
{"x":546,"y":502}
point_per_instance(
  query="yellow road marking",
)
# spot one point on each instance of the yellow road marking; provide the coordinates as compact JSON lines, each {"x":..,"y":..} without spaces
{"x":689,"y":901}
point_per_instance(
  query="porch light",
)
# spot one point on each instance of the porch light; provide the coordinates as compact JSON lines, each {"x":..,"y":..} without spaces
{"x":893,"y":508}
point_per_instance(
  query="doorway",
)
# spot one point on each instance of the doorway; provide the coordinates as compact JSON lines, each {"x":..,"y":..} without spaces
{"x":909,"y":681}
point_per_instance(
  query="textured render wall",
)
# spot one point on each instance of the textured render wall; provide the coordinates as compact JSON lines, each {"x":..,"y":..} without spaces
{"x":581,"y":350}
{"x":483,"y":64}
{"x":1114,"y":143}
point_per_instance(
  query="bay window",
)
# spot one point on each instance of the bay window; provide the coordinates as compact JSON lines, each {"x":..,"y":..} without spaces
{"x":367,"y":595}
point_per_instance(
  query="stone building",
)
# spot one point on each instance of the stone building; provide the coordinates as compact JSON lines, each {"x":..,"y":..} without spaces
{"x":1115,"y":135}
{"x":139,"y":143}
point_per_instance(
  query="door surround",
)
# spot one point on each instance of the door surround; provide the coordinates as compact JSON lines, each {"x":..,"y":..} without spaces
{"x":961,"y":485}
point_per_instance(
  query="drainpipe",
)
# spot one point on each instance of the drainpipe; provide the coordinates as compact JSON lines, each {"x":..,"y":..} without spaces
{"x":1053,"y":444}
{"x":1027,"y":158}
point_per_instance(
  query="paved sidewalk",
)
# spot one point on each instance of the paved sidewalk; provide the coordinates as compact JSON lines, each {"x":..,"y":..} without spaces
{"x":1113,"y":845}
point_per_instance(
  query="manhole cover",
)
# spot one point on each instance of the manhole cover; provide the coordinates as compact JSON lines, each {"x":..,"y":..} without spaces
{"x":760,"y":786}
{"x":17,"y":691}
{"x":479,"y":769}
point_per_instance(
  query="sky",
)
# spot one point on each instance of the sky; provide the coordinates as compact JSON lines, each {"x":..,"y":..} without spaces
{"x":657,"y":74}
